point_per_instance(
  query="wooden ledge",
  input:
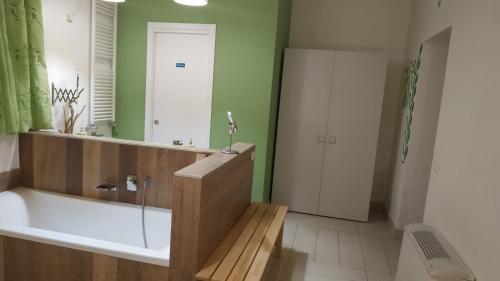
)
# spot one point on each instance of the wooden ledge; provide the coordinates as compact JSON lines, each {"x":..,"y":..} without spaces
{"x":245,"y":251}
{"x":218,"y":159}
{"x":122,"y":141}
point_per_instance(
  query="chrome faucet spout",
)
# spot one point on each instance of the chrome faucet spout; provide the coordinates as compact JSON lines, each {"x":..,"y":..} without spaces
{"x":105,"y":187}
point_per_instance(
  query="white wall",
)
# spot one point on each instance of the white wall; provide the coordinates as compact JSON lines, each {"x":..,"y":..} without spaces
{"x":463,"y":198}
{"x":361,"y":25}
{"x":410,"y":184}
{"x":9,"y":153}
{"x":67,"y":49}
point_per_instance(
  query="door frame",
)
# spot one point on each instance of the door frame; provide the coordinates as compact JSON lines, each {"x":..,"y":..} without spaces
{"x":182,"y":28}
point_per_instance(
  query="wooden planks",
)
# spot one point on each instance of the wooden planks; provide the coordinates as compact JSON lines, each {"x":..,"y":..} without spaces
{"x":240,"y":270}
{"x":239,"y":246}
{"x":208,"y":193}
{"x":76,"y":166}
{"x":246,"y":257}
{"x":104,"y":268}
{"x":22,"y":260}
{"x":210,"y":198}
{"x":220,"y":253}
{"x":273,"y":237}
{"x":10,"y":179}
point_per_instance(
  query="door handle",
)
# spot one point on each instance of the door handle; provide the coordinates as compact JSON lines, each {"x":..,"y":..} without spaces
{"x":156,"y":122}
{"x":321,"y":139}
{"x":332,"y":139}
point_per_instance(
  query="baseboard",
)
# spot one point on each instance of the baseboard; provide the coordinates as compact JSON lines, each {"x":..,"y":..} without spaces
{"x":10,"y":179}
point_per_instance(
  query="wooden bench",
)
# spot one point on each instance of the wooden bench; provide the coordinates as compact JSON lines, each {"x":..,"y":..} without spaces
{"x":245,"y":251}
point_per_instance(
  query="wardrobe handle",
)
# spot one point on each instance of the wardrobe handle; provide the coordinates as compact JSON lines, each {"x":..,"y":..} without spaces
{"x":321,"y":139}
{"x":332,"y":139}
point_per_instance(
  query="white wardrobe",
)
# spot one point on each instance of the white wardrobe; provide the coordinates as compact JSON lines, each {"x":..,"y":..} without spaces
{"x":328,"y":130}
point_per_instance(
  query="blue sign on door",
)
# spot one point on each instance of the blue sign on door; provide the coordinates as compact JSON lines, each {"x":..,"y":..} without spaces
{"x":180,"y":65}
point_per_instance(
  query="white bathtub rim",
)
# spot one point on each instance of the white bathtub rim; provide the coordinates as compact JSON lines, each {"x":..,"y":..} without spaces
{"x":85,"y":244}
{"x":22,"y":189}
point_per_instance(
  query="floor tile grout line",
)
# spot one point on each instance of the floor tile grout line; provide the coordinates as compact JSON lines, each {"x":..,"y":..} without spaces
{"x":326,"y":227}
{"x":316,"y":243}
{"x":338,"y":247}
{"x":326,"y":275}
{"x":385,"y":255}
{"x":354,"y":230}
{"x":363,"y":257}
{"x":292,"y":250}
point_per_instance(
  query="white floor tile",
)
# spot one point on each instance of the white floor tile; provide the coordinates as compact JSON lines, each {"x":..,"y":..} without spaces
{"x":327,"y":247}
{"x":379,"y":277}
{"x":373,"y":255}
{"x":274,"y":269}
{"x":299,"y":263}
{"x":305,"y":241}
{"x":350,"y":251}
{"x":377,"y":225}
{"x":337,"y":224}
{"x":289,"y":231}
{"x":392,"y":248}
{"x":305,"y":276}
{"x":324,"y":249}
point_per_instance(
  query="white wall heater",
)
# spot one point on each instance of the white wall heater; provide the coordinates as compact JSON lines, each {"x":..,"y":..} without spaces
{"x":427,"y":256}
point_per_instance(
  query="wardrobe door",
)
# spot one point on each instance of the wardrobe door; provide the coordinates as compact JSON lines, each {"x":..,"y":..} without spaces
{"x":306,"y":88}
{"x":352,"y":135}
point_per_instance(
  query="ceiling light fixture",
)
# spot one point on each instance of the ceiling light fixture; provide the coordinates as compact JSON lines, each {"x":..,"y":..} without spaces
{"x":192,"y":2}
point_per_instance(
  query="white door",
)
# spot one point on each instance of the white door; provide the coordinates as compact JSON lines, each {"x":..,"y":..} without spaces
{"x":352,"y":135}
{"x":306,"y":87}
{"x":180,"y":77}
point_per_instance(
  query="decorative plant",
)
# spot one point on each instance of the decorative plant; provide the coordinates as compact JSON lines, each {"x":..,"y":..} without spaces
{"x":70,"y":97}
{"x":70,"y":120}
{"x":410,"y":91}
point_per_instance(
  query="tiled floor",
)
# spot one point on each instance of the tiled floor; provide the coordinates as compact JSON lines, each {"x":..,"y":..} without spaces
{"x":325,"y":249}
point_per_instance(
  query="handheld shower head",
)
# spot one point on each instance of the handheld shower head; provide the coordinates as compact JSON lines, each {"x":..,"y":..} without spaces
{"x":233,"y":128}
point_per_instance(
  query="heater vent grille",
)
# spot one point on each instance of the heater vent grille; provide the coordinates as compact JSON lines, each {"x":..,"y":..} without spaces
{"x":430,"y":245}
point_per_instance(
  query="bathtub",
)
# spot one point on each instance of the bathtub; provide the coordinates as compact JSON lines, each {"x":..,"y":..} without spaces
{"x":101,"y":227}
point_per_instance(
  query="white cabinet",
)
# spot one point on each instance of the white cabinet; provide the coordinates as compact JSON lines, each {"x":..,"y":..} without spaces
{"x":328,"y":128}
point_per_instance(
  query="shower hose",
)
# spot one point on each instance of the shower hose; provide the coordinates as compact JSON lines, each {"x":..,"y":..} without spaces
{"x":146,"y":185}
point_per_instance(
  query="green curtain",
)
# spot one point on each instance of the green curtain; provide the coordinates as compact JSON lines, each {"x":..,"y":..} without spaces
{"x":24,"y":87}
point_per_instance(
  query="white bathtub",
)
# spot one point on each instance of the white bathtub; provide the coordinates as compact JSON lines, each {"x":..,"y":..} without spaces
{"x":108,"y":228}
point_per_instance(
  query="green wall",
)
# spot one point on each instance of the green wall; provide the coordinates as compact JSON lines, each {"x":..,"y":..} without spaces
{"x":251,"y":35}
{"x":282,"y":39}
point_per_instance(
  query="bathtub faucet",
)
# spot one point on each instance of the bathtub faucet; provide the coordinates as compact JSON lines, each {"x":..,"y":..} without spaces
{"x":105,"y":187}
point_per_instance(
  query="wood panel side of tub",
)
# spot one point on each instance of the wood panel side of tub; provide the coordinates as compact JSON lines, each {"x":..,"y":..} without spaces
{"x":72,"y":165}
{"x":210,"y":197}
{"x":22,"y":260}
{"x":10,"y":179}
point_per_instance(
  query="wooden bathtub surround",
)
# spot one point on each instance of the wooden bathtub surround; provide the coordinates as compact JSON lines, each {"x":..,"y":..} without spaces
{"x":76,"y":165}
{"x":246,"y":250}
{"x":208,"y":192}
{"x":10,"y":179}
{"x":22,"y":260}
{"x":210,"y":198}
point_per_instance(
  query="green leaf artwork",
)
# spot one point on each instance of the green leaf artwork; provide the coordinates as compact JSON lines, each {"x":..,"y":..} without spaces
{"x":410,"y":92}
